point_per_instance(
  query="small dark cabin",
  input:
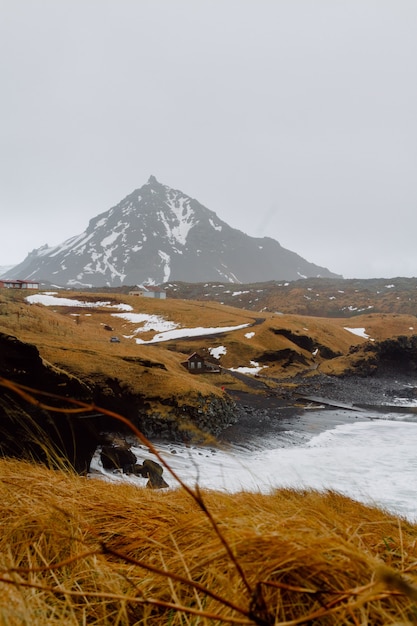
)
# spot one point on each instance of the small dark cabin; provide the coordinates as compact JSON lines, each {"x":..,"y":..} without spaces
{"x":196,"y":364}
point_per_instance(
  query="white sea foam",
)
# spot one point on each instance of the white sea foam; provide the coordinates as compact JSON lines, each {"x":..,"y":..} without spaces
{"x":372,"y":461}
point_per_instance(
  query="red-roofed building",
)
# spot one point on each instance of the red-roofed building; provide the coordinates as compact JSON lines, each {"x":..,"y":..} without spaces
{"x":18,"y":284}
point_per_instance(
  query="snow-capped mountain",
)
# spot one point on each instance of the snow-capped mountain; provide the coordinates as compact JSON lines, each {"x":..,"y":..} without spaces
{"x":157,"y":234}
{"x":5,"y":269}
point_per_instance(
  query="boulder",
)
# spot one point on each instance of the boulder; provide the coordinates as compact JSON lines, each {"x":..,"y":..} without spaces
{"x":118,"y":457}
{"x":153,"y":471}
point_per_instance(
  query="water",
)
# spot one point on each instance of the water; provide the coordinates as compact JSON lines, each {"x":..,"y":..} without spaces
{"x":373,"y":461}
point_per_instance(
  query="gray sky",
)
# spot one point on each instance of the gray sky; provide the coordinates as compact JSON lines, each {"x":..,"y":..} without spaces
{"x":295,"y":119}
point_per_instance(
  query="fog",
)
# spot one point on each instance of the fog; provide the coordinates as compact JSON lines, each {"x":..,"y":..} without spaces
{"x":289,"y":118}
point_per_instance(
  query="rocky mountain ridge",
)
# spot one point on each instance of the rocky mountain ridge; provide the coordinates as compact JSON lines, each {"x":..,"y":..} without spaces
{"x":319,"y":297}
{"x":158,"y":234}
{"x":323,"y":297}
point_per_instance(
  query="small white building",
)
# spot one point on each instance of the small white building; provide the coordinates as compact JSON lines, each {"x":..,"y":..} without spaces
{"x":148,"y":292}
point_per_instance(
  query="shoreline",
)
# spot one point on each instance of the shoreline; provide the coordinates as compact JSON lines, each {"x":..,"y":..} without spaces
{"x":265,"y":424}
{"x":270,"y":416}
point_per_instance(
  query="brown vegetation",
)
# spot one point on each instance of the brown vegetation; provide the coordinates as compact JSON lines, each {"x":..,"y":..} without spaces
{"x":76,"y":340}
{"x":322,"y":297}
{"x":82,"y":551}
{"x":77,"y":550}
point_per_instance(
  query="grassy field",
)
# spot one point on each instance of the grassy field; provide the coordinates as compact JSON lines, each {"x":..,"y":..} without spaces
{"x":77,"y":550}
{"x":323,"y":297}
{"x":76,"y":340}
{"x":81,"y":551}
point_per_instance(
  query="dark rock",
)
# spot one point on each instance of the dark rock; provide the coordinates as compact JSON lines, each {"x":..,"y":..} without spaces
{"x":153,"y":471}
{"x":389,"y":357}
{"x":139,"y":470}
{"x":30,"y":431}
{"x":286,"y":357}
{"x":118,"y":457}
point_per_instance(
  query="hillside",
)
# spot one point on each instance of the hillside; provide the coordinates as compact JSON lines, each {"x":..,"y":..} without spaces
{"x":76,"y":550}
{"x":323,"y":297}
{"x":60,"y":343}
{"x":72,"y":330}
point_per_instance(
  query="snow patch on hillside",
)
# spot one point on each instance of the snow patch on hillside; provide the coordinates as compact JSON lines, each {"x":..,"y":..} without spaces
{"x":200,"y":331}
{"x":107,"y":241}
{"x":50,"y":299}
{"x":184,"y":218}
{"x":255,"y":368}
{"x":217,"y":227}
{"x":166,"y":259}
{"x":217,"y":352}
{"x":359,"y":332}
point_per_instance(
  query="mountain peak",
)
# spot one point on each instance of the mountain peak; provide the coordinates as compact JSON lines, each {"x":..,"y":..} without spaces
{"x":157,"y":234}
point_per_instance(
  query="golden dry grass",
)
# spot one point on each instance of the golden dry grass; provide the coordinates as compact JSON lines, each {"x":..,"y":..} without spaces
{"x":82,"y":551}
{"x":380,"y":326}
{"x":80,"y":345}
{"x":75,"y":340}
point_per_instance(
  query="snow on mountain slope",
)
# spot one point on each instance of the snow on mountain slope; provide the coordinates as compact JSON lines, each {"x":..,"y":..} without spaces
{"x":5,"y":270}
{"x":157,"y":234}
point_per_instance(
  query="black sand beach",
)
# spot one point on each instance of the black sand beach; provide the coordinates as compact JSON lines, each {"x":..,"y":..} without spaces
{"x":269,"y":416}
{"x":265,"y":420}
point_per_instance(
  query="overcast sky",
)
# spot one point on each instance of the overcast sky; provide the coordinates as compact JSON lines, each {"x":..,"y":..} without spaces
{"x":294,"y":119}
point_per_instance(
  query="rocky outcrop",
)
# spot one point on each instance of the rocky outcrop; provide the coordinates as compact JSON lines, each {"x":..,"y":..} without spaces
{"x":399,"y":352}
{"x":395,"y":355}
{"x":285,"y":357}
{"x":191,"y":422}
{"x":30,"y":430}
{"x":27,"y":428}
{"x":319,"y":297}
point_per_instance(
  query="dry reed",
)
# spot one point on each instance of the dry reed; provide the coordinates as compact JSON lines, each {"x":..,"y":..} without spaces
{"x":81,"y":551}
